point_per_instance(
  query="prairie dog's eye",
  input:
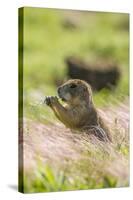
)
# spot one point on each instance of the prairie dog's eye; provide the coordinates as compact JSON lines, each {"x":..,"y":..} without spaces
{"x":73,"y":85}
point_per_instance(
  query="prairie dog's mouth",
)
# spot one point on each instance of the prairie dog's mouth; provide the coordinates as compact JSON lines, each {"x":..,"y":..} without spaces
{"x":62,"y":98}
{"x":66,"y":97}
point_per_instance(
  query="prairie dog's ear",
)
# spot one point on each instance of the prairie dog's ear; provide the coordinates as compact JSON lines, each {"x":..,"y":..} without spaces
{"x":89,"y":88}
{"x":85,"y":89}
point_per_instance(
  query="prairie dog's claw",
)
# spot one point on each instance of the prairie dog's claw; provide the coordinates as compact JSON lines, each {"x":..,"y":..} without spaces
{"x":47,"y":100}
{"x":50,"y":99}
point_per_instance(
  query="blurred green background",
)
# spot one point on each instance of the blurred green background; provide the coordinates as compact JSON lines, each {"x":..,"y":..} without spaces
{"x":50,"y":35}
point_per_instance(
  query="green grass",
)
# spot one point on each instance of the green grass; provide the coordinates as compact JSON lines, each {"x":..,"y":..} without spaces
{"x":46,"y":180}
{"x":46,"y":45}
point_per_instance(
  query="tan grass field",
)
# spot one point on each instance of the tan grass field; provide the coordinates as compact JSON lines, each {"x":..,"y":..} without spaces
{"x":79,"y":155}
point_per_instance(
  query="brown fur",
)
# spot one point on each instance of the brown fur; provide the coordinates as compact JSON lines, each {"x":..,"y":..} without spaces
{"x":79,"y":113}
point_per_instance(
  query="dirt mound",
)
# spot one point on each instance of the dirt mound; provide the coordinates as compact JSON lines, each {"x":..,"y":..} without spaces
{"x":102,"y":74}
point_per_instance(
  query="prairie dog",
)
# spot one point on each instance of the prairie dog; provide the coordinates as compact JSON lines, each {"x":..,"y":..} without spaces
{"x":79,"y":112}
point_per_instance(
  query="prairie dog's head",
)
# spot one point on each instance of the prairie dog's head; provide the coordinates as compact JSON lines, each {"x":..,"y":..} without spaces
{"x":75,"y":91}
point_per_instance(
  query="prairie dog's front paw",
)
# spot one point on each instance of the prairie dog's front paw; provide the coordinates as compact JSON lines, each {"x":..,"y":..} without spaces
{"x":53,"y":99}
{"x":49,"y":100}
